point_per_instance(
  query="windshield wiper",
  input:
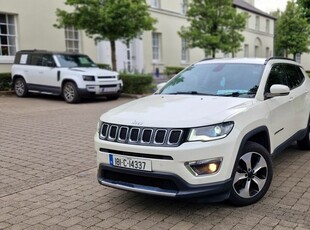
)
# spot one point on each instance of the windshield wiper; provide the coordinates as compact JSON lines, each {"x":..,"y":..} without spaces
{"x":237,"y":94}
{"x":192,"y":93}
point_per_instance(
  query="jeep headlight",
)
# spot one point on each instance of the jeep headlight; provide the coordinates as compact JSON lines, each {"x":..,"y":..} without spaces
{"x":88,"y":78}
{"x":211,"y":132}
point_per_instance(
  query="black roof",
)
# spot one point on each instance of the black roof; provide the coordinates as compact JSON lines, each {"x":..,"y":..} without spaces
{"x":248,"y":7}
{"x":48,"y":52}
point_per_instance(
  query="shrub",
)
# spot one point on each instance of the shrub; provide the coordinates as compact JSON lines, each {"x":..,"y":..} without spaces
{"x":104,"y":66}
{"x":5,"y":81}
{"x":137,"y":83}
{"x":170,"y":71}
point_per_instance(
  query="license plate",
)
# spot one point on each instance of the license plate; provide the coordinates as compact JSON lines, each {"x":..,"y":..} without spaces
{"x":129,"y":162}
{"x":109,"y":89}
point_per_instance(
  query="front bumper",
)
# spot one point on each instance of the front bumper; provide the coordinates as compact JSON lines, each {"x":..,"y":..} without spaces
{"x":103,"y":89}
{"x":162,"y":184}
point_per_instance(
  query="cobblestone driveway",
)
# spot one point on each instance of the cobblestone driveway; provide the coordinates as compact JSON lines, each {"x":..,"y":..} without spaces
{"x":48,"y":179}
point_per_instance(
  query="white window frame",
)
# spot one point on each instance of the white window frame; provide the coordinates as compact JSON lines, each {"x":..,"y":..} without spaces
{"x":8,"y":33}
{"x":184,"y":51}
{"x":246,"y":50}
{"x":267,"y":26}
{"x":155,"y":4}
{"x":72,"y":39}
{"x":184,"y":6}
{"x":257,"y":22}
{"x":156,"y":47}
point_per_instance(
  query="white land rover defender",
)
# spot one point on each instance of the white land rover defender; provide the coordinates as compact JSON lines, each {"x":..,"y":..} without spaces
{"x":71,"y":75}
{"x":210,"y":132}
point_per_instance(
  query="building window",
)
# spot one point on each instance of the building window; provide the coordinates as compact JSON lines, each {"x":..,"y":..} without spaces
{"x":184,"y":6}
{"x":246,"y":50}
{"x":256,"y":51}
{"x":156,"y":46}
{"x":267,"y":52}
{"x":155,"y":3}
{"x":7,"y":35}
{"x":257,"y":19}
{"x":267,"y":26}
{"x":72,"y":37}
{"x":185,"y":52}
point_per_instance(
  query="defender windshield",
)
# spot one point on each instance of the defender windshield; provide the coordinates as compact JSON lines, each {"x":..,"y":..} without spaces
{"x":218,"y":79}
{"x":74,"y":60}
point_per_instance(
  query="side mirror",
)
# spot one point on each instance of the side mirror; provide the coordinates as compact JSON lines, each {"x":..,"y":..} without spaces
{"x":278,"y":90}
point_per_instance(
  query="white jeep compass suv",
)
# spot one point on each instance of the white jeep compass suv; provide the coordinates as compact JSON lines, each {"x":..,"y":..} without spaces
{"x":210,"y":132}
{"x":71,"y":75}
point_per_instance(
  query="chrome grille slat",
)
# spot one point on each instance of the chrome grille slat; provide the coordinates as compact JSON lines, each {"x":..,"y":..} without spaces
{"x":142,"y":135}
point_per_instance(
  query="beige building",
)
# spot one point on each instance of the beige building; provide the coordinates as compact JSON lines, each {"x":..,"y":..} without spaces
{"x":29,"y":25}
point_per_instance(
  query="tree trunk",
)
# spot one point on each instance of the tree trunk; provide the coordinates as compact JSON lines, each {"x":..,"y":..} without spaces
{"x":213,"y":53}
{"x":113,"y":55}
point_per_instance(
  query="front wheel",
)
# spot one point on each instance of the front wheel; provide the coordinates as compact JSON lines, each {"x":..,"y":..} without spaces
{"x":20,"y":87}
{"x":252,"y":176}
{"x":70,"y":93}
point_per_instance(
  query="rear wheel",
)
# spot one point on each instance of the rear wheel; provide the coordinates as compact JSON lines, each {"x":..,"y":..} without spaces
{"x":20,"y":87}
{"x":252,"y":176}
{"x":70,"y":93}
{"x":304,"y":143}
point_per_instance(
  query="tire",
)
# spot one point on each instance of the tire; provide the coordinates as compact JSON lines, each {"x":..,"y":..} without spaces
{"x":20,"y":87}
{"x":252,"y":176}
{"x":70,"y":93}
{"x":304,"y":144}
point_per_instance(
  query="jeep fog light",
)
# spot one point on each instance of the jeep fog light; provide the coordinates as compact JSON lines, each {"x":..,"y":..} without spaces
{"x":204,"y":167}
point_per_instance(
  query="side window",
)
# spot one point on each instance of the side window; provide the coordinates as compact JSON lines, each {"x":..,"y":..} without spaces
{"x":277,"y":75}
{"x":294,"y":76}
{"x":41,"y":60}
{"x":36,"y":59}
{"x":47,"y":60}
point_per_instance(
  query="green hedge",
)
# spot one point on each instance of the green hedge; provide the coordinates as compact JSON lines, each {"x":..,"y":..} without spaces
{"x":137,"y":83}
{"x":5,"y":81}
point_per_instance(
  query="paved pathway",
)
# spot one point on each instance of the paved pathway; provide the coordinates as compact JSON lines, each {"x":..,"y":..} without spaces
{"x":48,"y":179}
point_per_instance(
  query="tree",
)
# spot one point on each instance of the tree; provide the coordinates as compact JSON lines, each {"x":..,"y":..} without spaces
{"x":107,"y":20}
{"x":214,"y":25}
{"x":305,"y":7}
{"x":292,"y":31}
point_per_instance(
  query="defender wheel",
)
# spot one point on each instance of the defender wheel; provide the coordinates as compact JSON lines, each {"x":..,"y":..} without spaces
{"x":253,"y":175}
{"x":70,"y":93}
{"x":20,"y":87}
{"x":304,"y":144}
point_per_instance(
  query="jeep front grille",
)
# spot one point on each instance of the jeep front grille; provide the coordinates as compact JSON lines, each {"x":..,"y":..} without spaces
{"x":142,"y":135}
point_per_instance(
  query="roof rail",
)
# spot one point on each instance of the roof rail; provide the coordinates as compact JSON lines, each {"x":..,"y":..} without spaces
{"x":34,"y":50}
{"x":278,"y":57}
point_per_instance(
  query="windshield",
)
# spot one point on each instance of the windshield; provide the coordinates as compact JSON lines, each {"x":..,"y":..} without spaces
{"x":73,"y":60}
{"x":219,"y":79}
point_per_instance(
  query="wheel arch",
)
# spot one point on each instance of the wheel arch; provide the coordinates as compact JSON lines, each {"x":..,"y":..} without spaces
{"x":16,"y":76}
{"x":259,"y":135}
{"x":65,"y":81}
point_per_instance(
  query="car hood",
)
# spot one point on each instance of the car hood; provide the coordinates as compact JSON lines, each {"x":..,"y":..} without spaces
{"x":176,"y":111}
{"x":93,"y":71}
